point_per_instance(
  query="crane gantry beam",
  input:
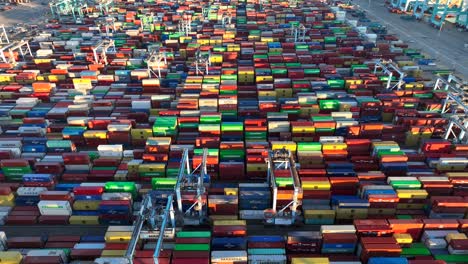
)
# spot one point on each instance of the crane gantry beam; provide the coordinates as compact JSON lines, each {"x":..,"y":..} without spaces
{"x":388,"y":67}
{"x":3,"y":35}
{"x":282,"y":159}
{"x":101,"y":49}
{"x":22,"y":46}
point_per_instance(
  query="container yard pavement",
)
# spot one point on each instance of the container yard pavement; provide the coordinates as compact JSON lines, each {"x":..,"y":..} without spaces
{"x":30,"y":13}
{"x":448,"y":47}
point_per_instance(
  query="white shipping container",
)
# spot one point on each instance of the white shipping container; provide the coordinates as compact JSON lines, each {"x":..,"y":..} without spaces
{"x":331,"y":229}
{"x":228,"y":256}
{"x":30,"y":191}
{"x":54,"y":208}
{"x":116,"y":196}
{"x":435,"y":243}
{"x":251,"y":214}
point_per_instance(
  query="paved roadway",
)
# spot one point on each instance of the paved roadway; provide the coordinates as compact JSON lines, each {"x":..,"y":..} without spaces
{"x":447,"y":47}
{"x":31,"y":13}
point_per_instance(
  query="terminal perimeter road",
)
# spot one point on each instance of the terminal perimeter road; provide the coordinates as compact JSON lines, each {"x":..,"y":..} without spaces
{"x":447,"y":46}
{"x":98,"y":230}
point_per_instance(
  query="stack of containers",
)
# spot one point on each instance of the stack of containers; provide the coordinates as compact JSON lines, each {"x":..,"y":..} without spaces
{"x":316,"y":199}
{"x":192,"y":247}
{"x":14,"y":169}
{"x":154,"y":167}
{"x":378,"y":247}
{"x":119,"y":193}
{"x":256,"y":168}
{"x":7,"y":202}
{"x":86,"y":203}
{"x":383,"y":200}
{"x":266,"y":248}
{"x":77,"y":167}
{"x":255,"y":130}
{"x":91,"y":195}
{"x":303,"y":242}
{"x":62,"y":197}
{"x":254,"y":198}
{"x":117,"y":239}
{"x":223,"y":201}
{"x":231,"y":161}
{"x":89,"y":248}
{"x":392,"y":160}
{"x":229,"y":241}
{"x":309,"y":154}
{"x":115,"y":211}
{"x":25,"y":210}
{"x":447,"y":207}
{"x":212,"y":163}
{"x":338,"y":239}
{"x":349,"y":207}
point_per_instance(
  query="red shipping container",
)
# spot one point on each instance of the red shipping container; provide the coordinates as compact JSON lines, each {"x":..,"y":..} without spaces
{"x":42,"y":260}
{"x":85,"y":254}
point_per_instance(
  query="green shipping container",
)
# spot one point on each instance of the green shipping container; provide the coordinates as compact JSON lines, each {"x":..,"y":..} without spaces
{"x":193,"y":234}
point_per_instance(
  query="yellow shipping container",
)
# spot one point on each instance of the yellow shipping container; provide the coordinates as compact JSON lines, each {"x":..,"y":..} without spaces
{"x":334,"y":146}
{"x":310,"y":261}
{"x":303,"y":129}
{"x":257,"y":167}
{"x":229,"y":222}
{"x":266,"y":93}
{"x":449,"y":237}
{"x":319,"y":214}
{"x":10,"y":257}
{"x":289,"y":145}
{"x":118,"y":237}
{"x":100,"y":134}
{"x":7,"y":200}
{"x":86,"y":205}
{"x":230,"y":191}
{"x":84,"y":220}
{"x":412,"y":194}
{"x":141,"y":133}
{"x":109,"y":253}
{"x":152,"y":167}
{"x":316,"y":185}
{"x":223,"y":217}
{"x":403,"y":238}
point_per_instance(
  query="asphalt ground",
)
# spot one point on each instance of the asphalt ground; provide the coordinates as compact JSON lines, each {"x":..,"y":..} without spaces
{"x":447,"y":46}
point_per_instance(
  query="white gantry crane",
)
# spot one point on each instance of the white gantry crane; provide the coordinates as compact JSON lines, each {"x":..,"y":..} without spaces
{"x":185,"y":24}
{"x":156,"y":59}
{"x":191,"y":183}
{"x":298,"y":32}
{"x":21,"y":46}
{"x":202,"y":59}
{"x":455,"y":106}
{"x":388,"y":68}
{"x":155,"y":221}
{"x":101,"y":49}
{"x":283,"y":160}
{"x":3,"y":35}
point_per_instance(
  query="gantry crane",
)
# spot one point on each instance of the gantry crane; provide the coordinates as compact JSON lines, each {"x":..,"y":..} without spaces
{"x":226,"y":19}
{"x":185,"y":24}
{"x":281,"y":160}
{"x":389,"y":67}
{"x":421,"y":6}
{"x":456,"y":107}
{"x":155,"y":59}
{"x":298,"y":32}
{"x":109,"y":25}
{"x":22,"y":46}
{"x":191,"y":183}
{"x":462,"y":17}
{"x":155,"y":221}
{"x":3,"y":35}
{"x":442,"y":9}
{"x":75,"y":8}
{"x":202,"y":59}
{"x":104,"y":6}
{"x":101,"y":49}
